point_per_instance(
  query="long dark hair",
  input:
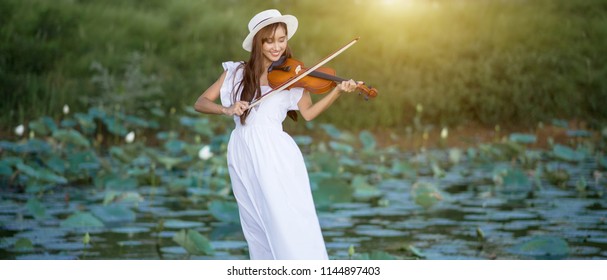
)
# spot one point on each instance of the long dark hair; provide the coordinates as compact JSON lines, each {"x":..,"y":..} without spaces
{"x":253,"y":69}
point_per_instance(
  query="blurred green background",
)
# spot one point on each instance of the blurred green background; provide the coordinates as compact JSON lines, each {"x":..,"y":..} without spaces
{"x":469,"y":61}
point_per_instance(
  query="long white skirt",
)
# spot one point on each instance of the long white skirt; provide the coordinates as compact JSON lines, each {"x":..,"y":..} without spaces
{"x":272,"y":188}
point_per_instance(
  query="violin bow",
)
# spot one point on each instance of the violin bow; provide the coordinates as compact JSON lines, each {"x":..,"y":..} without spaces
{"x":303,"y":74}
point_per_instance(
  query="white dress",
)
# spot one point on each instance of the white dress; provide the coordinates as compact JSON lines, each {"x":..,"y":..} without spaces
{"x":270,"y":180}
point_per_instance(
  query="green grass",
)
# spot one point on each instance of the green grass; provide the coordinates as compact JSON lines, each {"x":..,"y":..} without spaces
{"x":485,"y":61}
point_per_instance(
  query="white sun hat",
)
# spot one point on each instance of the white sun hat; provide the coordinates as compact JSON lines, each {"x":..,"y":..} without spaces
{"x":264,"y":19}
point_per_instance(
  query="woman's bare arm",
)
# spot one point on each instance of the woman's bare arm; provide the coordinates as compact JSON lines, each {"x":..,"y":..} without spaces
{"x":206,"y":102}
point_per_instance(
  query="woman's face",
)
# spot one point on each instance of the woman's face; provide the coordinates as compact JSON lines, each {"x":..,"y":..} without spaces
{"x":275,"y":46}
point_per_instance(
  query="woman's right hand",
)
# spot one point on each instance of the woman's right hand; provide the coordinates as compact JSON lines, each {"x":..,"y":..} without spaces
{"x":237,"y":108}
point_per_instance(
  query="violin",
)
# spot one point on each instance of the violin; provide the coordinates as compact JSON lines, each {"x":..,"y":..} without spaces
{"x":318,"y":81}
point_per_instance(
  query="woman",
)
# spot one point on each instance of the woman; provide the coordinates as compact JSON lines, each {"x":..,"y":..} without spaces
{"x":267,"y":170}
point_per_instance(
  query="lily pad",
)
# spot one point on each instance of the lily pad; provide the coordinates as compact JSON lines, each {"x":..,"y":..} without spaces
{"x":194,"y":242}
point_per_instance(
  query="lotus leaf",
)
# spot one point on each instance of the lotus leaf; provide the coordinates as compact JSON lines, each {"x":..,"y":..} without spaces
{"x":166,"y":135}
{"x":68,"y":123}
{"x":114,"y":126}
{"x":194,"y":242}
{"x":303,"y":140}
{"x":425,"y":194}
{"x":114,"y":213}
{"x":543,"y":247}
{"x":174,"y":146}
{"x":82,"y":161}
{"x":158,"y":112}
{"x":8,"y":146}
{"x":560,"y":123}
{"x":375,"y":255}
{"x":567,"y":154}
{"x":36,"y":208}
{"x":139,"y":122}
{"x":341,"y":147}
{"x":578,"y":133}
{"x":24,"y":244}
{"x":81,"y":219}
{"x":516,"y":178}
{"x":363,"y":190}
{"x":86,"y":122}
{"x":331,"y":191}
{"x":403,"y":168}
{"x":34,"y":146}
{"x":71,"y":136}
{"x":523,"y":138}
{"x":331,"y":130}
{"x":43,"y":126}
{"x":5,"y":168}
{"x":43,"y":175}
{"x":225,"y":211}
{"x":97,"y":112}
{"x":324,"y":162}
{"x":368,"y":140}
{"x":121,"y":184}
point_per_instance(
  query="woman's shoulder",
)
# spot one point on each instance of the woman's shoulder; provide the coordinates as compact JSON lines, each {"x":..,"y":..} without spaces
{"x":231,"y":65}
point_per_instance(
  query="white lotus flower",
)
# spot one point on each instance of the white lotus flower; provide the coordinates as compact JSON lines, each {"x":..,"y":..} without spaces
{"x":19,"y":130}
{"x":205,"y":153}
{"x":419,"y":108}
{"x":130,"y":137}
{"x":66,"y":109}
{"x":444,"y":133}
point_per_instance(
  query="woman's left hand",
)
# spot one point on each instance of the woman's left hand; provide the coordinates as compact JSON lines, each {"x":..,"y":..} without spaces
{"x":348,"y":86}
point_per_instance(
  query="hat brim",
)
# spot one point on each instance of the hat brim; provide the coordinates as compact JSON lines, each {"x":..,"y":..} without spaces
{"x":289,"y":20}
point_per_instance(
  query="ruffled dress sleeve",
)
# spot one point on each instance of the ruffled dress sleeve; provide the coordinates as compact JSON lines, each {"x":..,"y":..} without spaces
{"x":231,"y":81}
{"x":295,"y":95}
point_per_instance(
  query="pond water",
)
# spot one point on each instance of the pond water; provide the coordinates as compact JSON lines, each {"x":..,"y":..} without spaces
{"x":472,"y":219}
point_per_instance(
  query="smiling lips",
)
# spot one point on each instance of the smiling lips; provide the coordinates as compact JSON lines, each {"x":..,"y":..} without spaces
{"x":276,"y":54}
